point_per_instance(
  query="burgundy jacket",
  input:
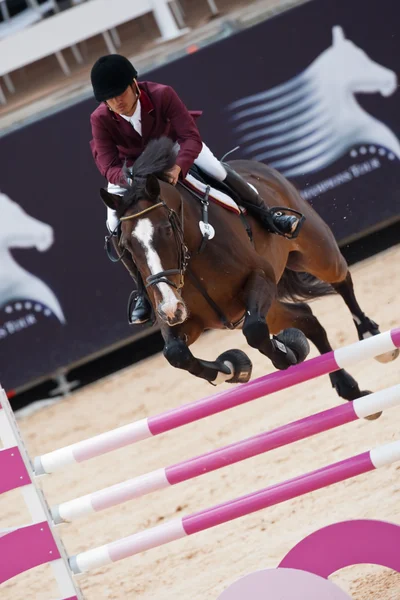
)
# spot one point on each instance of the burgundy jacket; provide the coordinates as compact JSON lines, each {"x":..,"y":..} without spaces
{"x":163,"y":114}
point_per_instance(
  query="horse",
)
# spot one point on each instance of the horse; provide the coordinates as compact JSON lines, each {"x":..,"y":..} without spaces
{"x":235,"y":279}
{"x":297,"y":127}
{"x":20,"y":230}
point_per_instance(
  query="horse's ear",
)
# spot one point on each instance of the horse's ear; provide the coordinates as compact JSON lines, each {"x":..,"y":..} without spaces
{"x":338,"y":35}
{"x":152,"y":187}
{"x":111,"y":200}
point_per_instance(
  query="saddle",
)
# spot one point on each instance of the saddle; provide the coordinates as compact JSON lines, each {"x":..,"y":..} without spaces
{"x":207,"y":179}
{"x":197,"y":182}
{"x":206,"y":188}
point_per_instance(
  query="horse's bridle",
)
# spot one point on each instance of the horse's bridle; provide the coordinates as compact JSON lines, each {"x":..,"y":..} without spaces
{"x":177,"y":225}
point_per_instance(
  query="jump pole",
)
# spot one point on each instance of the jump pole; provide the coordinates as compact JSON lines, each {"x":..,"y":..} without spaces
{"x":222,"y":457}
{"x":234,"y":509}
{"x":194,"y":411}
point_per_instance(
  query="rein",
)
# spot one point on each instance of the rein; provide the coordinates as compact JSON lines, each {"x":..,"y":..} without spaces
{"x":107,"y":246}
{"x":143,"y":212}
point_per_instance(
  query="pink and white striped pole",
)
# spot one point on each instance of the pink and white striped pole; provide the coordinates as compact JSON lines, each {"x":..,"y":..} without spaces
{"x":188,"y":413}
{"x":234,"y":509}
{"x":222,"y":457}
{"x":24,"y":547}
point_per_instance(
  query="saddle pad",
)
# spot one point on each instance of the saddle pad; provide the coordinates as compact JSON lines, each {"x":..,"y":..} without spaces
{"x":215,"y":195}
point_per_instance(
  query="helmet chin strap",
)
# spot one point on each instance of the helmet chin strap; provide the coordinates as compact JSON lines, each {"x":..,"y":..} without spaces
{"x":138,"y":94}
{"x":138,"y":90}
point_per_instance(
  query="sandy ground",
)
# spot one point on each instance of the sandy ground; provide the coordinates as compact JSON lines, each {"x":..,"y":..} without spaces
{"x":202,"y":566}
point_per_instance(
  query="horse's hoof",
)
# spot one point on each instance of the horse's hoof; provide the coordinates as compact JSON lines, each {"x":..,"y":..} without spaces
{"x":345,"y":385}
{"x":347,"y":388}
{"x":369,"y":328}
{"x":388,"y":357}
{"x":375,"y":415}
{"x":241,"y":364}
{"x":293,"y":339}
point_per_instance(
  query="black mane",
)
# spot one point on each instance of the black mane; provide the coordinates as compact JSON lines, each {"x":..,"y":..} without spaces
{"x":158,"y":156}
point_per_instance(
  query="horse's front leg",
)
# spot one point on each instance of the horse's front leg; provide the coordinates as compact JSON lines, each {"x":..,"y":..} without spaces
{"x":232,"y":366}
{"x":288,"y":348}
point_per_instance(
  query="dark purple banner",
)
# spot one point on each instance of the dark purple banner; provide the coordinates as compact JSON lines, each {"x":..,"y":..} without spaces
{"x":61,"y":299}
{"x":312,"y":92}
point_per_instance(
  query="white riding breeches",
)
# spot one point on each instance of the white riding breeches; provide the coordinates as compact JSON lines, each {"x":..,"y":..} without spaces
{"x":210,"y":164}
{"x":205,"y":160}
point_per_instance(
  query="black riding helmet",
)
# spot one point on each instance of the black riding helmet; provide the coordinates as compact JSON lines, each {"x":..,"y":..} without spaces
{"x":111,"y":75}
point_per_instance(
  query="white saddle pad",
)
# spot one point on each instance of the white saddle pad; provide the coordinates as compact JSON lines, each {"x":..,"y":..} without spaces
{"x":216,"y":195}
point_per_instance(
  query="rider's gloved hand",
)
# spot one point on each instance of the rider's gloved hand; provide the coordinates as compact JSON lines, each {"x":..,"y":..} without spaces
{"x":173,"y":174}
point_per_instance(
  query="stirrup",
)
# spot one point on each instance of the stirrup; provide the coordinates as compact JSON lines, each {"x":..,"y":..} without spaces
{"x":107,"y":243}
{"x":282,"y":211}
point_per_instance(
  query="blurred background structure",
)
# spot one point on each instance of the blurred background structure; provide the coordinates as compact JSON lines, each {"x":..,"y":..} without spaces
{"x":47,"y":47}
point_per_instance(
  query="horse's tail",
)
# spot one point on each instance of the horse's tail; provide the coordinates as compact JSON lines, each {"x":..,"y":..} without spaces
{"x":298,"y":287}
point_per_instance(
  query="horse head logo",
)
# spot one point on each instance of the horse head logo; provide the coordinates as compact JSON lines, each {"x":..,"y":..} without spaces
{"x":308,"y":122}
{"x":20,"y":230}
{"x":354,"y":70}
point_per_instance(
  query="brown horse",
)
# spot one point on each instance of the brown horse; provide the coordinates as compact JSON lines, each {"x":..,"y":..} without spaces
{"x":233,"y":280}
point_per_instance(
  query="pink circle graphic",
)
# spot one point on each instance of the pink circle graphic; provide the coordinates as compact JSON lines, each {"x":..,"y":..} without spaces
{"x":283,"y":584}
{"x":344,"y":544}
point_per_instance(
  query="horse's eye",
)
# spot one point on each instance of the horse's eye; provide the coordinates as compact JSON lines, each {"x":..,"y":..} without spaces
{"x":166,"y":229}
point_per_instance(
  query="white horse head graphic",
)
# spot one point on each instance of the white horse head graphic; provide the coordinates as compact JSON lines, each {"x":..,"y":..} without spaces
{"x":20,"y":230}
{"x":308,"y":122}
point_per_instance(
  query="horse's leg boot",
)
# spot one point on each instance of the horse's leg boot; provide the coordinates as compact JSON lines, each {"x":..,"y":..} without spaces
{"x":275,"y":222}
{"x":139,"y":307}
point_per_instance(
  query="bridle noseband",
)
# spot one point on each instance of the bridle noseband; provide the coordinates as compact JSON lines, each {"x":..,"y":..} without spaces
{"x":177,"y":225}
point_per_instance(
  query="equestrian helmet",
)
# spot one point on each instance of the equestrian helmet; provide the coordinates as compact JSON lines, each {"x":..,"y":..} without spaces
{"x":111,"y":75}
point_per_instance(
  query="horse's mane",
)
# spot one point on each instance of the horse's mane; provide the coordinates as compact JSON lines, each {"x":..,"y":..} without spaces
{"x":158,"y":156}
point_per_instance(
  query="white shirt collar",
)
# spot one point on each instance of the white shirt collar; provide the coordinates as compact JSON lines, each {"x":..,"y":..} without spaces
{"x":136,"y":119}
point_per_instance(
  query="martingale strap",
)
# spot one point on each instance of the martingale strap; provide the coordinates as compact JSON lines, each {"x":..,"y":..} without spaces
{"x":214,"y":305}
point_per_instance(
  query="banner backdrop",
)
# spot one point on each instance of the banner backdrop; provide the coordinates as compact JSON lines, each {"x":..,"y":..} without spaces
{"x":312,"y":92}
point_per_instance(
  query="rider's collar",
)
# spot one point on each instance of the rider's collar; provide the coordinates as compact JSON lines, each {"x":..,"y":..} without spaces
{"x":145,"y":101}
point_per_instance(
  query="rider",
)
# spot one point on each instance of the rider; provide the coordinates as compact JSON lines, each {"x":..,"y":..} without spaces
{"x":132,"y":113}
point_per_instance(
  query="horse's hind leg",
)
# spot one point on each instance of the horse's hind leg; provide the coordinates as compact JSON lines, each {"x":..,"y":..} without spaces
{"x":300,"y":315}
{"x":319,"y":255}
{"x":365,"y":327}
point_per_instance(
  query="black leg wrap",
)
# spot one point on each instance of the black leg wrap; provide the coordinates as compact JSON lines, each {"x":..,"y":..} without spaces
{"x":256,"y":333}
{"x":179,"y":356}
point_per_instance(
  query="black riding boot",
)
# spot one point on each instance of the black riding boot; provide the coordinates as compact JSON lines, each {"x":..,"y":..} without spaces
{"x":273,"y":221}
{"x":139,"y":307}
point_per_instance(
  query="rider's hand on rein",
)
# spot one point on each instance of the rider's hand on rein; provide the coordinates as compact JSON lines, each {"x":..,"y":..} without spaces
{"x":173,"y":174}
